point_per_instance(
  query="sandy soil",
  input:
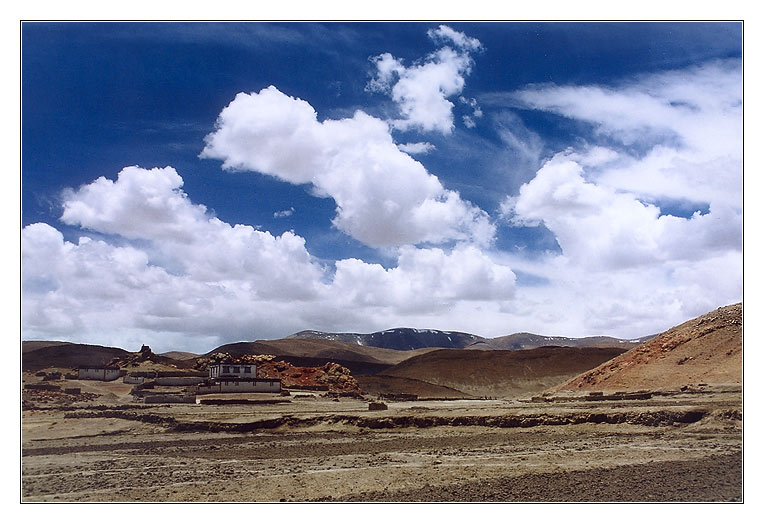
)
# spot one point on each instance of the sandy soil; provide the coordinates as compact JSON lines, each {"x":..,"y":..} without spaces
{"x":681,"y":447}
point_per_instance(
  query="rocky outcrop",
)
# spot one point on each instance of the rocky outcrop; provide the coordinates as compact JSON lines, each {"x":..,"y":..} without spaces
{"x":333,"y":377}
{"x":145,"y":355}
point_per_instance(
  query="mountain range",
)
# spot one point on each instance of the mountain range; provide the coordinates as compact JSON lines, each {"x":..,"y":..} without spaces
{"x":397,"y":338}
{"x":410,"y":338}
{"x":453,"y":364}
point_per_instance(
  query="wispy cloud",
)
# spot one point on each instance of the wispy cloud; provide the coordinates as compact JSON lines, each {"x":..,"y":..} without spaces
{"x":284,"y":213}
{"x":416,"y":148}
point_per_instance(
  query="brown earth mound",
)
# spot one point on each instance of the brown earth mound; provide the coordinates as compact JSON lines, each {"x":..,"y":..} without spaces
{"x":707,"y":349}
{"x":503,"y":374}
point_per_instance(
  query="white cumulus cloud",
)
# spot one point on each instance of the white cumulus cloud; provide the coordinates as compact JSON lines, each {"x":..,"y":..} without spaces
{"x":601,"y":228}
{"x":422,"y":90}
{"x":384,"y":197}
{"x":425,"y":278}
{"x":151,"y":266}
{"x":648,"y":212}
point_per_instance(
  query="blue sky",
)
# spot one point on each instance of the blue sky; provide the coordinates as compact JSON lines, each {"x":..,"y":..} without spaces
{"x":188,"y":185}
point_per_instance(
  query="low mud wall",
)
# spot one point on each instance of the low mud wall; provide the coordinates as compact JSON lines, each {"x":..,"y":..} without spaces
{"x":227,"y":401}
{"x":651,"y":418}
{"x":162,"y":374}
{"x":307,"y":387}
{"x":594,"y":397}
{"x":169,"y":399}
{"x":178,"y":381}
{"x":42,"y":387}
{"x":398,"y":397}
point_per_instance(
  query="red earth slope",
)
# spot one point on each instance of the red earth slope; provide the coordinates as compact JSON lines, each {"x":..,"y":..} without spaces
{"x":707,"y":349}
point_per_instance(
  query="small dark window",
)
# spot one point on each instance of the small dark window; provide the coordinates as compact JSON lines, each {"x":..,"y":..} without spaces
{"x":236,"y":369}
{"x":226,"y":369}
{"x":247,"y":369}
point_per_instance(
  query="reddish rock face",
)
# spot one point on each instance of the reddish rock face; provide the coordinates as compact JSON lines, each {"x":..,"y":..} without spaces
{"x":337,"y":378}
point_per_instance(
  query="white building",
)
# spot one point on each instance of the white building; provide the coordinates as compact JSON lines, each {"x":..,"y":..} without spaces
{"x":229,"y":369}
{"x":229,"y":377}
{"x":106,"y":373}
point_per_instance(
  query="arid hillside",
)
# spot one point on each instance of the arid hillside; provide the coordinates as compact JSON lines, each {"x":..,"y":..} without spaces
{"x":317,"y":352}
{"x":386,"y":385}
{"x":707,"y":349}
{"x":37,"y":355}
{"x":34,"y":345}
{"x":518,"y":341}
{"x":502,"y":374}
{"x":179,"y":355}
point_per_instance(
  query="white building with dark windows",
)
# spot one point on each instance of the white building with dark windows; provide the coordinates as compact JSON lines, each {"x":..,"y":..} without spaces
{"x":229,"y":370}
{"x":230,"y":377}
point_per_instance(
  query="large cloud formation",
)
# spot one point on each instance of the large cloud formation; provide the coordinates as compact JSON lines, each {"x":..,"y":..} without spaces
{"x":650,"y":220}
{"x":157,"y":267}
{"x":384,"y":197}
{"x":645,"y":205}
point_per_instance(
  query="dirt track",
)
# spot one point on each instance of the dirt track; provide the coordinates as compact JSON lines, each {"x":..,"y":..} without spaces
{"x":329,"y":451}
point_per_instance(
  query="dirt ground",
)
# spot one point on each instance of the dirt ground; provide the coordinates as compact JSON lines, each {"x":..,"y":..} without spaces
{"x":679,"y":447}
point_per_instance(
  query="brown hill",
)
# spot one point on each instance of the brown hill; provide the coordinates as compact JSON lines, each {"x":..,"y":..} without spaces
{"x":707,"y":349}
{"x":317,"y":352}
{"x":501,"y":373}
{"x":34,"y":345}
{"x":65,"y":355}
{"x":386,"y":385}
{"x":518,"y":341}
{"x":36,"y":355}
{"x":179,"y":355}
